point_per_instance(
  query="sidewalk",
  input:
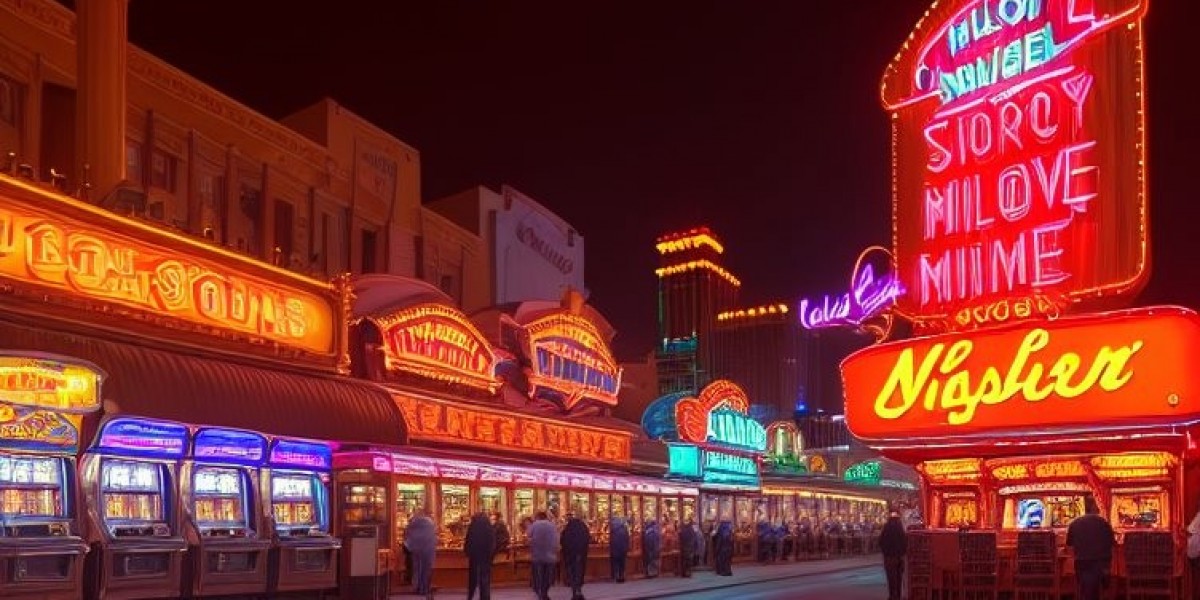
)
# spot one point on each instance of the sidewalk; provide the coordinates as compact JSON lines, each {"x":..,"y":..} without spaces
{"x":647,"y":589}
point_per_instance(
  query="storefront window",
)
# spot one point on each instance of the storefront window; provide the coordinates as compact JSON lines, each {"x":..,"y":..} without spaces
{"x":554,"y":506}
{"x":649,"y":508}
{"x":725,"y":509}
{"x":456,"y":515}
{"x":492,"y":501}
{"x":1140,"y":508}
{"x":523,"y":513}
{"x":961,"y":512}
{"x":689,"y":509}
{"x":581,"y":505}
{"x":364,"y":504}
{"x":670,"y":509}
{"x":410,"y":497}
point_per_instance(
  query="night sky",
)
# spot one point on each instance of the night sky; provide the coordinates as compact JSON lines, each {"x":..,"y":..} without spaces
{"x":630,"y":119}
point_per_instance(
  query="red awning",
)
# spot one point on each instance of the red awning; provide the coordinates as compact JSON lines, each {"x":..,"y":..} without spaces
{"x":154,"y":383}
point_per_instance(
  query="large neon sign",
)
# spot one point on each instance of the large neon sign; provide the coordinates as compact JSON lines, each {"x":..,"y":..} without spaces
{"x":1120,"y":369}
{"x":720,"y":416}
{"x":42,"y":382}
{"x":438,"y":342}
{"x":711,"y":466}
{"x":124,"y":275}
{"x":443,"y":421}
{"x":572,"y":360}
{"x":1019,"y":158}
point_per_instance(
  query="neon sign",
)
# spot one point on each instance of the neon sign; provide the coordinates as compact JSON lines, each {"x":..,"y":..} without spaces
{"x":438,"y":342}
{"x":720,"y":416}
{"x":306,"y":455}
{"x":572,"y":360}
{"x":143,"y":437}
{"x":868,"y":297}
{"x":1127,"y":368}
{"x":868,"y":473}
{"x":53,"y":384}
{"x":439,"y":420}
{"x":42,"y":246}
{"x":1019,"y":158}
{"x":229,"y":445}
{"x":711,"y":466}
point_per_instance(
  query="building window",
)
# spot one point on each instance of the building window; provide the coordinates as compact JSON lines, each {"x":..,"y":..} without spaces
{"x":163,"y":167}
{"x":133,"y":162}
{"x":245,"y":235}
{"x":12,"y":95}
{"x":211,"y":189}
{"x":369,"y":250}
{"x":284,"y":215}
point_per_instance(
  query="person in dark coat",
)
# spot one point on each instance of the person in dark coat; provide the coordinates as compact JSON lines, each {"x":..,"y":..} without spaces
{"x":687,"y":548}
{"x":1091,"y":539}
{"x":575,"y":541}
{"x":420,"y":539}
{"x":651,"y":548}
{"x":618,"y":547}
{"x":723,"y":549}
{"x":503,"y":537}
{"x":893,"y":543}
{"x":480,"y":547}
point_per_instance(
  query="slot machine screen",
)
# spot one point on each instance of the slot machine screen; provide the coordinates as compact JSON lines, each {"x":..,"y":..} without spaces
{"x":220,"y":497}
{"x":31,"y":486}
{"x":132,"y":491}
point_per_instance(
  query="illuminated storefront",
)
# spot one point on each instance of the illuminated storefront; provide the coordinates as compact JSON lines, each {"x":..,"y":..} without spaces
{"x":490,"y":436}
{"x":178,"y":332}
{"x":713,"y":443}
{"x":1020,"y":205}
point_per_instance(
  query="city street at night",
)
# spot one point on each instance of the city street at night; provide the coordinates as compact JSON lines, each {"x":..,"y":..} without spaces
{"x":857,"y":584}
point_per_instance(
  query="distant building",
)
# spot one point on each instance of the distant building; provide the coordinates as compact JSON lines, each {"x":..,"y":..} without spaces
{"x":764,"y":349}
{"x":533,"y":253}
{"x":693,"y":288}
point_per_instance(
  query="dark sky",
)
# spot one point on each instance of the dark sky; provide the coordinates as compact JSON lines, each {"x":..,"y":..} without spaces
{"x":759,"y":119}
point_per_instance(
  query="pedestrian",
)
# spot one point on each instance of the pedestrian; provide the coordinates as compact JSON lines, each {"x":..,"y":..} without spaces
{"x":723,"y":549}
{"x":763,"y":534}
{"x":618,"y":547}
{"x":575,"y":541}
{"x":651,"y":548}
{"x":1091,"y":538}
{"x":687,"y":548}
{"x":480,"y":548}
{"x":699,"y":549}
{"x":503,"y":537}
{"x":420,"y":538}
{"x":543,"y":554}
{"x":893,"y":543}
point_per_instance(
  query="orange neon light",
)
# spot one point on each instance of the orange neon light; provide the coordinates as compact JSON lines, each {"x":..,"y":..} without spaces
{"x":43,"y":246}
{"x":692,"y":265}
{"x":1039,"y":470}
{"x":52,"y":384}
{"x":1133,"y":465}
{"x":438,"y":342}
{"x":434,"y":420}
{"x":693,"y":241}
{"x":944,"y":470}
{"x":691,"y":414}
{"x":755,"y":312}
{"x":1131,"y":368}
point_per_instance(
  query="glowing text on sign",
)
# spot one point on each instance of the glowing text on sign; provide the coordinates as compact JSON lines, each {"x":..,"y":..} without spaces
{"x":1019,"y":156}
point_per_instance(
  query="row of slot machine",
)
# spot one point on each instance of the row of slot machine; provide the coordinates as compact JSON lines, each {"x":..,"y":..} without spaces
{"x":157,"y":509}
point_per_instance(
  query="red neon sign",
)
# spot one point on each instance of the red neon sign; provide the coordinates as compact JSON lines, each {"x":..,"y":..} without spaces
{"x":1116,"y":370}
{"x":1019,"y":158}
{"x":438,"y":342}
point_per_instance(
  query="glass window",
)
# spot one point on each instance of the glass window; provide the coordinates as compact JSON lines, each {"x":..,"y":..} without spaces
{"x":689,"y":509}
{"x":162,"y":170}
{"x":1140,"y":508}
{"x":960,"y":512}
{"x":364,"y":504}
{"x":132,"y":491}
{"x":410,"y":497}
{"x":554,"y":505}
{"x":456,"y":515}
{"x":670,"y":509}
{"x":133,"y":162}
{"x":650,"y":508}
{"x":219,"y":498}
{"x":492,"y":501}
{"x":523,"y":512}
{"x":581,"y":505}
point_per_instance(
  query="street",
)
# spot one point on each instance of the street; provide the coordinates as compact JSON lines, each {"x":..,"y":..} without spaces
{"x":866,"y":583}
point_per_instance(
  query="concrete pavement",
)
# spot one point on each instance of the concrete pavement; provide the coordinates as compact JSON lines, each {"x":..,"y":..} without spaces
{"x":701,"y":581}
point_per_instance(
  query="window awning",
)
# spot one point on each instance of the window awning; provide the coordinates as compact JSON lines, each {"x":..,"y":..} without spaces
{"x":148,"y":382}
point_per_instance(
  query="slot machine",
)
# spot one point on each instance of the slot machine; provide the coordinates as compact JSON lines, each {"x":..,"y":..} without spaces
{"x":223,"y":525}
{"x":130,"y":479}
{"x":42,"y":403}
{"x":305,"y":555}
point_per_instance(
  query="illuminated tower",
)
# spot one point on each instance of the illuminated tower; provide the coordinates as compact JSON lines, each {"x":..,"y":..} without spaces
{"x":693,"y":288}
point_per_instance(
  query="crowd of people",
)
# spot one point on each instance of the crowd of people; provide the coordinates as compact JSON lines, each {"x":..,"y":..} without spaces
{"x":803,"y":538}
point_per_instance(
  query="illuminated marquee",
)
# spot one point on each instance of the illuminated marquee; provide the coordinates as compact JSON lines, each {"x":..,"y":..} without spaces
{"x":867,"y":472}
{"x":966,"y":469}
{"x":711,"y":466}
{"x":1055,"y":469}
{"x":42,"y":382}
{"x":438,"y":342}
{"x":1019,"y":157}
{"x":720,"y":416}
{"x":572,"y":360}
{"x":441,"y":421}
{"x":1133,"y":465}
{"x":27,"y":428}
{"x":91,"y":265}
{"x":1132,"y":368}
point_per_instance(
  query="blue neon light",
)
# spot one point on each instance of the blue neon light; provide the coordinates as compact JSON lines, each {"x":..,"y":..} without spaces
{"x":301,"y":455}
{"x":230,"y":446}
{"x":685,"y":461}
{"x":143,"y":437}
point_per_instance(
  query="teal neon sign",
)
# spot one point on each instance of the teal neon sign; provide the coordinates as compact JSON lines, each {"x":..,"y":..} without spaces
{"x":728,"y":427}
{"x":867,"y":473}
{"x":711,"y":466}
